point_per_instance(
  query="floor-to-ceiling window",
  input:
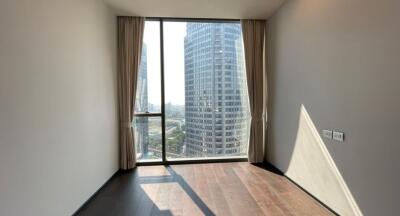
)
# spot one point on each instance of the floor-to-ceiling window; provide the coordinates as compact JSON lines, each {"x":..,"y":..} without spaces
{"x":148,"y":113}
{"x":192,"y":98}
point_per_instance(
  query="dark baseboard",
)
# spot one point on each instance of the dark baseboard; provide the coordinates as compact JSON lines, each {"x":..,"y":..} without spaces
{"x":269,"y":167}
{"x":278,"y":171}
{"x":95,"y":193}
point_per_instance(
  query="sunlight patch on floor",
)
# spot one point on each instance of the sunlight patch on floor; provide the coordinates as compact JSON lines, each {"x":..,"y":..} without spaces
{"x":146,"y":171}
{"x":171,"y":197}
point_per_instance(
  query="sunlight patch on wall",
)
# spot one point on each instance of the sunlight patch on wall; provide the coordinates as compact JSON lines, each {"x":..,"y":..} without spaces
{"x":312,"y":167}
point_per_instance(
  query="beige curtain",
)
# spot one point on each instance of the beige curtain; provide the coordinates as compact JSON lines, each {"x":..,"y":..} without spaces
{"x":130,"y":36}
{"x":253,"y":40}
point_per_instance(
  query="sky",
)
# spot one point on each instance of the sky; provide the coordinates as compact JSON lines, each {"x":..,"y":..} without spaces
{"x":174,"y":34}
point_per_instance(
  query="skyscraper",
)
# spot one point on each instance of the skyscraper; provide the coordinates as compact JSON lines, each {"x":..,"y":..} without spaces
{"x":216,"y":103}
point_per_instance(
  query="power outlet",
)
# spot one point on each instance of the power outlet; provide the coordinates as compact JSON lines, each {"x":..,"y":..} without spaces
{"x":338,"y":136}
{"x":327,"y":134}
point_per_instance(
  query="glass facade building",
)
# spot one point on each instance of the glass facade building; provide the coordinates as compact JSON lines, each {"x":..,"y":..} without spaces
{"x":216,"y":101}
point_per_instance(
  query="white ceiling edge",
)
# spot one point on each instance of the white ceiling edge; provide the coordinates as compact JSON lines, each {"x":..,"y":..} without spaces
{"x":218,"y":9}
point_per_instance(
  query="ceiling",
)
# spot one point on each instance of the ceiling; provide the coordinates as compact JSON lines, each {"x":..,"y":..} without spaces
{"x":223,"y":9}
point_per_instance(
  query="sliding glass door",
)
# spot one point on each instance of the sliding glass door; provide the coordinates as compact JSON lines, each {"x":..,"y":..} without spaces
{"x":200,"y":110}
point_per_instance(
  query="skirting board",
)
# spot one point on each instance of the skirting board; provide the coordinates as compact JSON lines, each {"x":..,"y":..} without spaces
{"x":95,"y":193}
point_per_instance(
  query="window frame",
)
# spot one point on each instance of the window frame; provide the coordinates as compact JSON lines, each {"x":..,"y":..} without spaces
{"x":161,"y":114}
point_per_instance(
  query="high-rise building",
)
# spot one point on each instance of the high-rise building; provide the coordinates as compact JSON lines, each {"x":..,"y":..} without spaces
{"x":216,"y":103}
{"x":142,"y":123}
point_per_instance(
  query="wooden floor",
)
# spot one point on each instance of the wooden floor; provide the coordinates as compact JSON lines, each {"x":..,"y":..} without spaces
{"x":202,"y":189}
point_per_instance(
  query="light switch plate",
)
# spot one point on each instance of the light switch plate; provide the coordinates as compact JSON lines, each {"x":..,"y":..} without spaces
{"x":327,"y":134}
{"x":338,"y":136}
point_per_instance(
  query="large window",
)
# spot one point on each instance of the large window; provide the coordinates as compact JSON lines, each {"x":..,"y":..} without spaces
{"x":192,"y":96}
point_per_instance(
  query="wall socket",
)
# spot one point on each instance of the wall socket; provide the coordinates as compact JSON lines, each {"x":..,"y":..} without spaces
{"x":327,"y":134}
{"x":338,"y":136}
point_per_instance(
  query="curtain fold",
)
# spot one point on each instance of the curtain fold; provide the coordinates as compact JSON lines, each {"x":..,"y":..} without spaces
{"x":254,"y":41}
{"x":130,"y":37}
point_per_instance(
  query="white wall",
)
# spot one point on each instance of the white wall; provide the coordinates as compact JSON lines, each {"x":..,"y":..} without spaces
{"x":341,"y":59}
{"x":58,"y":104}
